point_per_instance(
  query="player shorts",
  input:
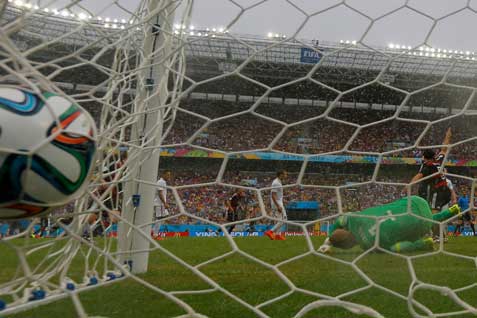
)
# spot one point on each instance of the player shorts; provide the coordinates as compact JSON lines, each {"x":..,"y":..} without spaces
{"x":279,"y":215}
{"x":424,"y":193}
{"x":232,"y":216}
{"x":467,"y":217}
{"x":440,"y":199}
{"x":160,"y":212}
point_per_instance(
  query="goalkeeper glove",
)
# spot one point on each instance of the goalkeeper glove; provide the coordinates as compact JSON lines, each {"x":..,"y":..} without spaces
{"x":326,"y":247}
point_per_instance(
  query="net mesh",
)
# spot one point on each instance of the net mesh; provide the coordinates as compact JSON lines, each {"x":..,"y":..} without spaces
{"x":346,"y":120}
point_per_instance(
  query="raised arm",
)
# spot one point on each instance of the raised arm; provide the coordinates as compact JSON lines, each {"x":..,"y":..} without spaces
{"x":446,"y":141}
{"x":417,"y":177}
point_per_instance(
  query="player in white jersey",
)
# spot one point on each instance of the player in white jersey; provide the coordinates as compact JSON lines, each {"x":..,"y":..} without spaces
{"x":278,"y":208}
{"x":160,"y":201}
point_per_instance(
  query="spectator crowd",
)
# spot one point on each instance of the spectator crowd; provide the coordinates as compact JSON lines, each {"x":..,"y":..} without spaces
{"x":321,"y":135}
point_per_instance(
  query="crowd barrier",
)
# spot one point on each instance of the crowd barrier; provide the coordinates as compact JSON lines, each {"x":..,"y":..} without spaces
{"x":198,"y":230}
{"x":199,"y":153}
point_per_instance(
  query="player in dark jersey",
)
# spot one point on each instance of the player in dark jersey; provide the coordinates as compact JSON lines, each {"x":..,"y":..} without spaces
{"x":434,"y":189}
{"x":42,"y":230}
{"x":234,"y":205}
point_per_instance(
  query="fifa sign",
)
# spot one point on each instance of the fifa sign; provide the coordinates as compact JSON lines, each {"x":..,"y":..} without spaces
{"x":310,"y":56}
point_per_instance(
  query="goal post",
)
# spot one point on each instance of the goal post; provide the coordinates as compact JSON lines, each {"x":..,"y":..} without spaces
{"x":152,"y":97}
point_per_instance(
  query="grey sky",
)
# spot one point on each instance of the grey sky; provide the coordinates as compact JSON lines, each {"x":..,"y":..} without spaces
{"x":405,"y":27}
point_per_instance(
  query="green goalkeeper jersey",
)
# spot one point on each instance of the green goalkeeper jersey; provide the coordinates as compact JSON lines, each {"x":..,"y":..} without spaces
{"x":392,"y":229}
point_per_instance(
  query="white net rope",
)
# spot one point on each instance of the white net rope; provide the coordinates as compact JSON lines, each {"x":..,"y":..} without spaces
{"x":149,"y":83}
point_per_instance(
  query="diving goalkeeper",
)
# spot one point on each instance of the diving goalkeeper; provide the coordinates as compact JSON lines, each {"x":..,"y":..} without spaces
{"x":402,"y":233}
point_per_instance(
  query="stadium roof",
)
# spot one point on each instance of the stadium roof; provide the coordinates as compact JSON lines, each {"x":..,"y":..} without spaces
{"x":236,"y":47}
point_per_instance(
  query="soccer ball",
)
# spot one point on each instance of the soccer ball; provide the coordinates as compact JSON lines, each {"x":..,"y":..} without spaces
{"x":47,"y":150}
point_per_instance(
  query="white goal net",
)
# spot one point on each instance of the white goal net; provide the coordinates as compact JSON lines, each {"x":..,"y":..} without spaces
{"x":199,"y":106}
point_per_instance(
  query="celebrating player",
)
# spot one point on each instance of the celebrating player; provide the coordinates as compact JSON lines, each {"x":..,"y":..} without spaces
{"x":160,"y":201}
{"x":278,"y":208}
{"x":400,"y":233}
{"x":434,"y":190}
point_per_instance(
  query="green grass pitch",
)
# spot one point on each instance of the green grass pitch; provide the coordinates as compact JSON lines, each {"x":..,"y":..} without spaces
{"x":255,"y":284}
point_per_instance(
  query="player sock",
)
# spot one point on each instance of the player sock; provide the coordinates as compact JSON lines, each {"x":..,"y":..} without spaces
{"x":280,"y":237}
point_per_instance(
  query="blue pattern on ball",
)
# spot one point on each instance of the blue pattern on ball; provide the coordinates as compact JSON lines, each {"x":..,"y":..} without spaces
{"x":28,"y":106}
